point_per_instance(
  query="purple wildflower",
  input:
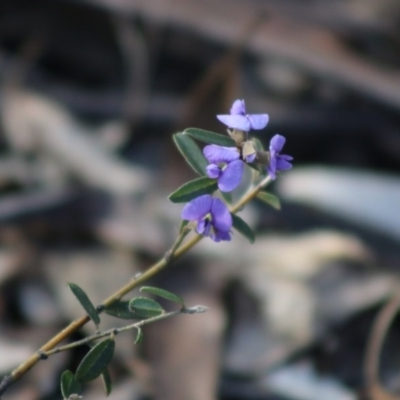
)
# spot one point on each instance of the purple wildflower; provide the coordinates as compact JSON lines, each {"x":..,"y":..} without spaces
{"x":278,"y":162}
{"x":225,"y":165}
{"x":238,"y":119}
{"x":212,"y":216}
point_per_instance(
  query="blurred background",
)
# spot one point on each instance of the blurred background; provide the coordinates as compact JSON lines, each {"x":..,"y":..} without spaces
{"x":91,"y":92}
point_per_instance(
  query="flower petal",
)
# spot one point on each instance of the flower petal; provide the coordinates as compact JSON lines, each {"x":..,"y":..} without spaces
{"x":239,"y":122}
{"x":250,"y":158}
{"x":197,"y":208}
{"x":258,"y":121}
{"x":213,"y":171}
{"x":282,"y":164}
{"x":238,"y":108}
{"x":272,"y":173}
{"x":231,"y":176}
{"x":221,"y":217}
{"x":220,"y":235}
{"x":216,"y":154}
{"x":277,"y":143}
{"x":201,"y":226}
{"x":272,"y":165}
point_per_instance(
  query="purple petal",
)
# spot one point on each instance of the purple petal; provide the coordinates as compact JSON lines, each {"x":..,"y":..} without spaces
{"x":272,"y":173}
{"x":201,"y":226}
{"x":258,"y":121}
{"x":286,"y":157}
{"x":239,"y":122}
{"x":204,"y":227}
{"x":277,"y":143}
{"x":220,"y":235}
{"x":231,"y":176}
{"x":238,"y":108}
{"x":221,"y":217}
{"x":250,"y":158}
{"x":216,"y":154}
{"x":272,"y":166}
{"x":213,"y":171}
{"x":283,"y":165}
{"x":197,"y":208}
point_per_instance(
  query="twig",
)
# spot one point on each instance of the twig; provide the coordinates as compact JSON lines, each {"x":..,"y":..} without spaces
{"x":23,"y":368}
{"x":109,"y":332}
{"x":374,"y":349}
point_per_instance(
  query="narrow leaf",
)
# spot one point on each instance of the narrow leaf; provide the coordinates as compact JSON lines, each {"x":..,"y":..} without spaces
{"x":209,"y":137}
{"x":243,"y":228}
{"x":95,"y":361}
{"x":270,"y":199}
{"x":145,"y":307}
{"x":139,"y":336}
{"x":191,"y":152}
{"x":120,"y":309}
{"x":106,"y":379}
{"x":192,"y":189}
{"x":258,"y":144}
{"x":165,"y":294}
{"x":257,"y":167}
{"x":69,"y":385}
{"x":227,"y":197}
{"x":85,"y":302}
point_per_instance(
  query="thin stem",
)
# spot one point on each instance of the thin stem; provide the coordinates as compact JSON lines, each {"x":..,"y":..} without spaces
{"x":250,"y":194}
{"x":109,"y":332}
{"x":174,"y":252}
{"x":75,"y":325}
{"x":169,"y":255}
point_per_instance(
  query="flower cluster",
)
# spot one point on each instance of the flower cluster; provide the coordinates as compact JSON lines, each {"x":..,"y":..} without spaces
{"x":226,"y":165}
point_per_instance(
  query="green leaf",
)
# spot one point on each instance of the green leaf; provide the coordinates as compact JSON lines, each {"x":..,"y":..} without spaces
{"x":139,"y":336}
{"x":257,"y":167}
{"x":227,"y":196}
{"x":191,"y":152}
{"x":120,"y":309}
{"x":257,"y":144}
{"x":270,"y":199}
{"x":165,"y":294}
{"x":145,"y":307}
{"x":106,"y":379}
{"x":85,"y":302}
{"x":95,"y":361}
{"x":209,"y":137}
{"x":69,"y":385}
{"x":243,"y":228}
{"x":192,"y":189}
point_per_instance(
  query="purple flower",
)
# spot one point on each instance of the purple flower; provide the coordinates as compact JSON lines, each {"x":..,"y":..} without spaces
{"x":212,"y":216}
{"x":238,"y":119}
{"x":278,"y":162}
{"x":225,"y":165}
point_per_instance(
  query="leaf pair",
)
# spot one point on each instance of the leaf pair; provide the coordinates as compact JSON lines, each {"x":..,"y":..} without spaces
{"x":91,"y":367}
{"x":142,"y":307}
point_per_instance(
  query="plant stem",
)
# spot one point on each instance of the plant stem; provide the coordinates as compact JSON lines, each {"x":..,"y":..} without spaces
{"x":116,"y":331}
{"x":75,"y":325}
{"x":252,"y":192}
{"x":174,"y":252}
{"x":112,"y":331}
